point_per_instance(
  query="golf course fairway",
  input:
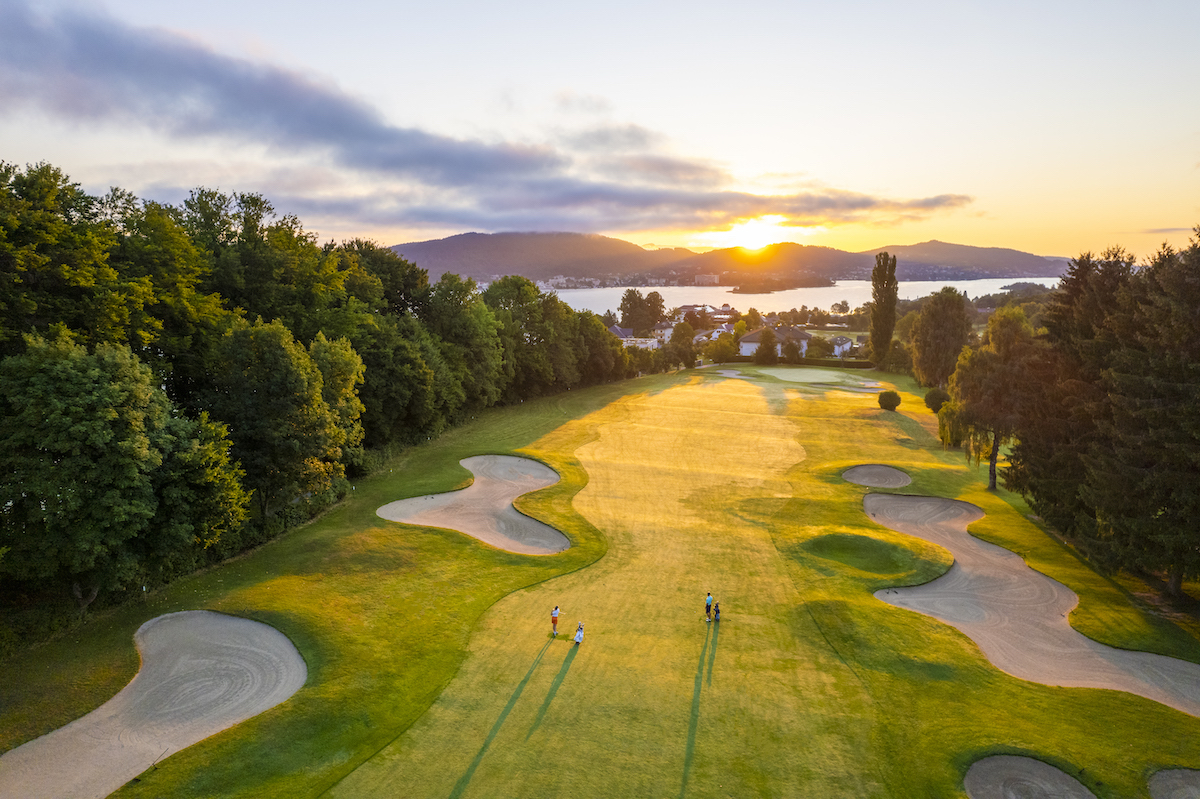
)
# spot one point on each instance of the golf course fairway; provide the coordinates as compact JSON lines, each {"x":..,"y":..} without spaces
{"x":432,"y":671}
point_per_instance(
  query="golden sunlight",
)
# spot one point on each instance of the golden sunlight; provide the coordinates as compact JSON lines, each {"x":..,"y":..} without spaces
{"x":753,"y":234}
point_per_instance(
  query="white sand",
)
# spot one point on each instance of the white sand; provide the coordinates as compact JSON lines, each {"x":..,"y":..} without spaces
{"x":484,"y":509}
{"x":1018,"y":616}
{"x":875,"y":475}
{"x":201,"y":673}
{"x":1179,"y":783}
{"x":1010,"y":777}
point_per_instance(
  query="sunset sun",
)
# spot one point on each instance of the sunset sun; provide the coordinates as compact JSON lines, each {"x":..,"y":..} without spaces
{"x":753,"y":234}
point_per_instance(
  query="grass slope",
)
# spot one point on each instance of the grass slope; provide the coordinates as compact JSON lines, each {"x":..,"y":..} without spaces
{"x":432,"y":672}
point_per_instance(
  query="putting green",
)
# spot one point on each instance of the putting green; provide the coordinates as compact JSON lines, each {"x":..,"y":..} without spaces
{"x":816,"y":376}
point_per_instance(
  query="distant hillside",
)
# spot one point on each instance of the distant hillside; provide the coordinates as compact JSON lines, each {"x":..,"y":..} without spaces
{"x":537,"y":256}
{"x":933,"y":260}
{"x":540,"y":256}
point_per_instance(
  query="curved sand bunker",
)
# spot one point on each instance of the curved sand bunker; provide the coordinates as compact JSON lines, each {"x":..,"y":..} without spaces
{"x":1018,"y":616}
{"x":1010,"y":777}
{"x":201,"y":673}
{"x":1180,"y":783}
{"x":876,"y":475}
{"x":484,"y":509}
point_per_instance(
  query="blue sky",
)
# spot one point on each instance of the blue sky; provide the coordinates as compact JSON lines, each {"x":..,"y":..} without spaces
{"x":1053,"y":127}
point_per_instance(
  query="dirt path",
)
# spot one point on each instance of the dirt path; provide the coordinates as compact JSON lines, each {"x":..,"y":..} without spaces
{"x":201,"y":673}
{"x":484,"y":509}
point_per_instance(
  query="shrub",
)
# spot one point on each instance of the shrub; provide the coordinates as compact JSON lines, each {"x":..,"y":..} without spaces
{"x":889,"y":400}
{"x":935,"y":398}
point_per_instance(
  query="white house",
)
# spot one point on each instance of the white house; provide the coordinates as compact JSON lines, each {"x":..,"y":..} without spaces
{"x":841,"y":345}
{"x":749,"y":342}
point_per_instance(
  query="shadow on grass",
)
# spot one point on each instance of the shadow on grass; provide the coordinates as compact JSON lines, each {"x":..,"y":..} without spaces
{"x":709,"y":650}
{"x":465,"y":779}
{"x":554,"y":686}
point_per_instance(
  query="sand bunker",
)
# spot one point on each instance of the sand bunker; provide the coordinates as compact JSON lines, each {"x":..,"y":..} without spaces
{"x":874,"y":475}
{"x":1018,"y":616}
{"x":1009,"y":777}
{"x":201,"y":673}
{"x":1177,"y":783}
{"x":484,"y":509}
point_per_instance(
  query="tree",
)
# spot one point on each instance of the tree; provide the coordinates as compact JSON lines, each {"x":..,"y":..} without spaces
{"x":938,"y":335}
{"x":267,"y":388}
{"x":1059,"y":417}
{"x":603,"y":357}
{"x":935,"y":398}
{"x":102,"y":483}
{"x":884,"y":290}
{"x":469,"y":338}
{"x":1143,"y":473}
{"x":840,"y":307}
{"x":984,"y":406}
{"x":527,"y":370}
{"x":791,"y":351}
{"x":341,"y":375}
{"x":889,"y":400}
{"x":722,"y":349}
{"x":819,"y":347}
{"x":767,"y":351}
{"x":681,"y":349}
{"x":640,"y":314}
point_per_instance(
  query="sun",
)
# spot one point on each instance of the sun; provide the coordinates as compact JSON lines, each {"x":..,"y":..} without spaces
{"x":752,"y":234}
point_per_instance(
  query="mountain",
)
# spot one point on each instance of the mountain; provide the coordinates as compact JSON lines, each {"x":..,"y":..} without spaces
{"x":541,"y":256}
{"x":941,"y":260}
{"x":537,"y":256}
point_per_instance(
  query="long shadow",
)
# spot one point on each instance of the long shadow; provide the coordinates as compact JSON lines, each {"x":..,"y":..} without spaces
{"x":465,"y":779}
{"x":690,"y":751}
{"x":558,"y":680}
{"x":712,"y":650}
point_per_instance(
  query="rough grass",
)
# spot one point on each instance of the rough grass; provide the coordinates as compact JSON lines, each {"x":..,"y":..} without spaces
{"x":432,"y":672}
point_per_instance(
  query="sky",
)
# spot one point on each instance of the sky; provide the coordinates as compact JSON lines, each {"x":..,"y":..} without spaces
{"x":1050,"y":127}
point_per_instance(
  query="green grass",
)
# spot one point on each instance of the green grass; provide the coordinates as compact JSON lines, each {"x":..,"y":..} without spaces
{"x":432,"y":672}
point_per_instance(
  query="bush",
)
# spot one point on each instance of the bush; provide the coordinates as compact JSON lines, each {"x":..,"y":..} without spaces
{"x":935,"y":398}
{"x":889,"y":400}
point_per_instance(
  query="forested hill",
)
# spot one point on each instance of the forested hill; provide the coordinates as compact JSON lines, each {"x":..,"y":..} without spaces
{"x":535,"y":255}
{"x":539,"y":256}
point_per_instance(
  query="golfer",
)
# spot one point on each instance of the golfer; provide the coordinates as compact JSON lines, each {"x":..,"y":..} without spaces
{"x":554,"y":620}
{"x":717,"y":612}
{"x":708,"y":608}
{"x":579,"y":635}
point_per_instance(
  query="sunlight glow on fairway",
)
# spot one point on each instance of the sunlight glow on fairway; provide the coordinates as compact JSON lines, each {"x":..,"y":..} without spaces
{"x":754,"y":234}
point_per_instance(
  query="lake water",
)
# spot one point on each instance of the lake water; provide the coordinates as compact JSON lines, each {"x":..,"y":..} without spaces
{"x":855,"y":292}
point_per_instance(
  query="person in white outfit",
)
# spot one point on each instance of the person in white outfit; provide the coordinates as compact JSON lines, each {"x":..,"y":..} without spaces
{"x":579,"y":634}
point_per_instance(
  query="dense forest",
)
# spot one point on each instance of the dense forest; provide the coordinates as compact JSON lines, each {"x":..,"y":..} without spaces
{"x":178,"y":383}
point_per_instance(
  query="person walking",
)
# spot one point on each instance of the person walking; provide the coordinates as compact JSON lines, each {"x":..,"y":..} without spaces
{"x":554,"y":620}
{"x":717,"y":611}
{"x":708,"y":607}
{"x":579,"y":634}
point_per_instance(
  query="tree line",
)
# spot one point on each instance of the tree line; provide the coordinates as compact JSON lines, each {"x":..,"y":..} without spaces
{"x":180,"y":382}
{"x":1098,"y":399}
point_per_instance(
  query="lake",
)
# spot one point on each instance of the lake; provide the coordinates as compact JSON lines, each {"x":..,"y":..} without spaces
{"x":855,"y":292}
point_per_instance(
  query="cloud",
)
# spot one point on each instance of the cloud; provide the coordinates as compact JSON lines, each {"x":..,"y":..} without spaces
{"x":80,"y":67}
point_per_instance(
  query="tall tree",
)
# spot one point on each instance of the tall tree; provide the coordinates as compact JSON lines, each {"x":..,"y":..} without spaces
{"x":767,"y":351}
{"x":1143,"y":474}
{"x":267,"y":388}
{"x":884,"y":291}
{"x":101,"y":484}
{"x":938,"y":336}
{"x":517,"y":304}
{"x":983,"y":410}
{"x":1060,"y":415}
{"x":469,"y":337}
